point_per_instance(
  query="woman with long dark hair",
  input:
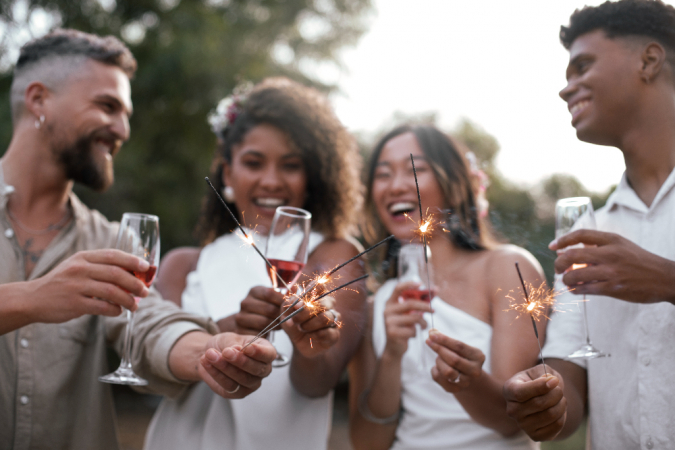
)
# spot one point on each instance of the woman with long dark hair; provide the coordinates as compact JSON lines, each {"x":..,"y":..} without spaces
{"x":457,"y":401}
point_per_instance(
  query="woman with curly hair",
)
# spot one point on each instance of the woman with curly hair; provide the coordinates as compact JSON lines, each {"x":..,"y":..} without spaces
{"x":455,"y":402}
{"x":279,"y":145}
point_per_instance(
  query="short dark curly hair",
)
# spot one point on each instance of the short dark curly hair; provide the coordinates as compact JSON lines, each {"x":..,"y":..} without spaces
{"x":329,"y":153}
{"x":648,"y":18}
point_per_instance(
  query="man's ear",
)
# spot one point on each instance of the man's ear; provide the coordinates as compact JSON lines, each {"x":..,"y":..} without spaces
{"x":34,"y":98}
{"x":653,"y":57}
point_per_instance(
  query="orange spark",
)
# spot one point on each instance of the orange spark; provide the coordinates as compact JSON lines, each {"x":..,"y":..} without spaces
{"x":542,"y":301}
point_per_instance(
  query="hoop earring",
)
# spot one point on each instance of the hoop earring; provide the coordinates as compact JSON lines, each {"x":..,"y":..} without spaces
{"x":38,"y":123}
{"x":228,"y":194}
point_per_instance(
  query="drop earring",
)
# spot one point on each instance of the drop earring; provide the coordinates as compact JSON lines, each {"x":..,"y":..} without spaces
{"x":228,"y":194}
{"x":38,"y":123}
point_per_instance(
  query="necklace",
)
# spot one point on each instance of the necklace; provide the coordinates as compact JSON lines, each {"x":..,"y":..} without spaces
{"x":53,"y":227}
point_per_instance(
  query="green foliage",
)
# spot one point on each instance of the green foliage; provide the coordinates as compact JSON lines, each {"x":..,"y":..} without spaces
{"x":190,"y":55}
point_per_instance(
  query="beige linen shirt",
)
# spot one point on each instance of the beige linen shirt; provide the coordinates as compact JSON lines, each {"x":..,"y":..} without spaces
{"x":50,"y":396}
{"x":631,"y":397}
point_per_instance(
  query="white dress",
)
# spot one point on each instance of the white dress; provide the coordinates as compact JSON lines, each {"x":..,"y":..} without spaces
{"x":433,"y":418}
{"x":276,"y":415}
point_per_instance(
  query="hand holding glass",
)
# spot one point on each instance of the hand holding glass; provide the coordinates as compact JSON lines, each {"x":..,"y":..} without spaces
{"x":138,"y":235}
{"x":572,"y":214}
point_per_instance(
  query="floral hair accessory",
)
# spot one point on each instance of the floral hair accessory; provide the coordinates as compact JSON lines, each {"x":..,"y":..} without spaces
{"x":229,"y":108}
{"x":483,"y":183}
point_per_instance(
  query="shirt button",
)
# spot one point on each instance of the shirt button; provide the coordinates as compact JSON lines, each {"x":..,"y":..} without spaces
{"x":24,"y":343}
{"x":9,"y":233}
{"x":24,"y":399}
{"x":646,"y":360}
{"x":649,"y":444}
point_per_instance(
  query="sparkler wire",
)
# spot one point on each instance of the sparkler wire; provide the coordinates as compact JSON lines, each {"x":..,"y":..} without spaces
{"x":313,"y":283}
{"x":534,"y":324}
{"x":290,"y":316}
{"x":250,"y":240}
{"x":424,"y":238}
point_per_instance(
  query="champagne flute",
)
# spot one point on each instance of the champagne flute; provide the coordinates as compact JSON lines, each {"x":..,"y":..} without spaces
{"x":411,"y":267}
{"x":572,"y":214}
{"x":138,"y":235}
{"x":287,"y":249}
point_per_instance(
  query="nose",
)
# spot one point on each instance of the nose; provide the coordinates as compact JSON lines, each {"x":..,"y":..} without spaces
{"x":271,"y":179}
{"x":120,"y":127}
{"x":400,"y":182}
{"x":569,"y":90}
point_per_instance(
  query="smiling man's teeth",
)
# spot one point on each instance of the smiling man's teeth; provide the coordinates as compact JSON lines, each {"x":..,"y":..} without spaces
{"x":578,"y":106}
{"x":269,"y":202}
{"x":401,"y":207}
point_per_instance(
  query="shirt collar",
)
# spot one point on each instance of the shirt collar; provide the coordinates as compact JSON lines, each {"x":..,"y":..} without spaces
{"x":624,"y":195}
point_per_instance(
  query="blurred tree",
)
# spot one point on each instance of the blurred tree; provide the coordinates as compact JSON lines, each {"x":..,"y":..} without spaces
{"x":190,"y":55}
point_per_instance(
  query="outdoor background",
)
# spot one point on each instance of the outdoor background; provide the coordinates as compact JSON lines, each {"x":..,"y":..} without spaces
{"x":487,"y":72}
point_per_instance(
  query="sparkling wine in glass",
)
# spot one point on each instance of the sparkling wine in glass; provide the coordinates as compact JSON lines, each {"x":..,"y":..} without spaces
{"x":287,"y":249}
{"x":412,"y":267}
{"x":138,"y":235}
{"x":576,"y":213}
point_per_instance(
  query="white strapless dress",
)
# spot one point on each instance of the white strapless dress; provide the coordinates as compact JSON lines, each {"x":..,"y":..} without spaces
{"x":432,"y":418}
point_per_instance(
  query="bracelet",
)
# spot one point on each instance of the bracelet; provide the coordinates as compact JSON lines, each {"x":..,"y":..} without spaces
{"x":365,"y":412}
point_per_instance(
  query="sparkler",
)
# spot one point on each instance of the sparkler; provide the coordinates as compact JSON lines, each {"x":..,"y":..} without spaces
{"x":321,"y":279}
{"x":532,"y":306}
{"x":307,"y":303}
{"x":248,"y":239}
{"x":424,"y":230}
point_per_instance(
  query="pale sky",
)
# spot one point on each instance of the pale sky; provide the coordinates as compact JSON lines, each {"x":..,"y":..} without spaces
{"x":498,"y":63}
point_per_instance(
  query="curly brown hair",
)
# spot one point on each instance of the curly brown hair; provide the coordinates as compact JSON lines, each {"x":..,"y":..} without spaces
{"x":329,"y":153}
{"x":447,"y":161}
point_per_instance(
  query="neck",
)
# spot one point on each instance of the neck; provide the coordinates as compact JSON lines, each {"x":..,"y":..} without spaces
{"x":41,"y":187}
{"x":649,"y":148}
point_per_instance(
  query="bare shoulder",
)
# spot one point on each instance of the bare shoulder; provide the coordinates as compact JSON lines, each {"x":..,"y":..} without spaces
{"x":505,"y":256}
{"x":337,"y":248}
{"x":173,"y":271}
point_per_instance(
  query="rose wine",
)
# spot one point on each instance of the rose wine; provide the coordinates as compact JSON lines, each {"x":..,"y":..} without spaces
{"x":146,"y":277}
{"x":416,"y":294}
{"x":289,"y":271}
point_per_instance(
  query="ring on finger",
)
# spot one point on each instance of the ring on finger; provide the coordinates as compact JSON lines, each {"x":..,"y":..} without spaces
{"x":456,"y":380}
{"x":334,"y":323}
{"x":233,"y":390}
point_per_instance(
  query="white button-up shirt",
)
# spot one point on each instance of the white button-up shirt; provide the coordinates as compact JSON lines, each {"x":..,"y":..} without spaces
{"x":631,"y":393}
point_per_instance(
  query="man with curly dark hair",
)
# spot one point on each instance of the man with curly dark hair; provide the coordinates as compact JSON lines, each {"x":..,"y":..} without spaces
{"x":620,"y":93}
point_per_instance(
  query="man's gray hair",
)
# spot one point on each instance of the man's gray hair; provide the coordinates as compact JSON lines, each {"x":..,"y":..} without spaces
{"x":56,"y":57}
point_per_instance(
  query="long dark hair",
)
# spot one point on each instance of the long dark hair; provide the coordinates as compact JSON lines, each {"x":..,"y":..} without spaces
{"x":451,"y":169}
{"x":329,"y":154}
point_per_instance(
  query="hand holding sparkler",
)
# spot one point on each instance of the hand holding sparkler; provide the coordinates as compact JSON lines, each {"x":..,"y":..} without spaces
{"x":231,"y":373}
{"x":315,"y":329}
{"x":457,"y":364}
{"x":536,"y":401}
{"x":261,"y":305}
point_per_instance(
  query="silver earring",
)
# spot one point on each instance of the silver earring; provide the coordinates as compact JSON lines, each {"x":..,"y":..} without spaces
{"x":228,"y":193}
{"x":38,"y":123}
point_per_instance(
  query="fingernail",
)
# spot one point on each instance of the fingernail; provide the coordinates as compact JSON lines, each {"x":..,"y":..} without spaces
{"x":553,"y":382}
{"x":212,"y":355}
{"x":143,"y":265}
{"x":553,"y":245}
{"x":433,"y":331}
{"x":229,"y":354}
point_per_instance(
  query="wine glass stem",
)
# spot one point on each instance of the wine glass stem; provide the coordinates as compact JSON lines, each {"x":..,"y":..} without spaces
{"x":126,"y":359}
{"x":588,"y":336}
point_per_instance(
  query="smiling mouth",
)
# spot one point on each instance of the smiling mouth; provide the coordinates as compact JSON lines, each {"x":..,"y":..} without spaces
{"x":400,"y":208}
{"x":268,"y":202}
{"x":578,"y":107}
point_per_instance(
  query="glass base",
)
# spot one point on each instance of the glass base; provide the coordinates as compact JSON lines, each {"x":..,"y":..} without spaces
{"x":281,"y":360}
{"x":587,"y":351}
{"x":123,"y":376}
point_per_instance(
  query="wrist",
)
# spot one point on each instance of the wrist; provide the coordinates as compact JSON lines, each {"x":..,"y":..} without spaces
{"x":392,"y":353}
